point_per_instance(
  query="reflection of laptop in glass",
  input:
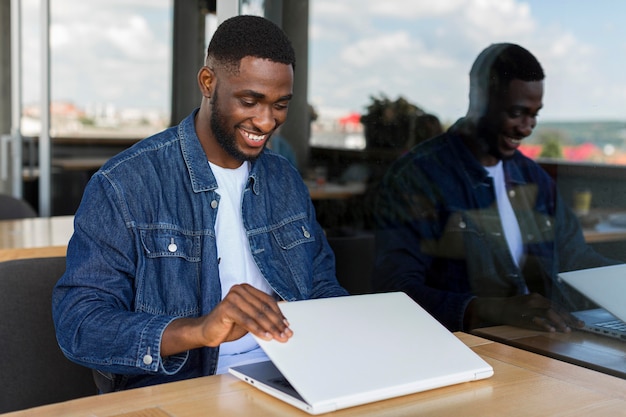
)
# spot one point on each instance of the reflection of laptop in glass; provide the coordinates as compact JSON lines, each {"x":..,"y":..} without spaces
{"x":605,"y":286}
{"x":358,"y":349}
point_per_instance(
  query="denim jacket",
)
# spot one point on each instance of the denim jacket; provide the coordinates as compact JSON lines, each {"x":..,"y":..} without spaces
{"x":440,"y":238}
{"x":143,"y":253}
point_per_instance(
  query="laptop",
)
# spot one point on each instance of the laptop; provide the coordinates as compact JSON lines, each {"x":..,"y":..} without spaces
{"x":605,"y":286}
{"x":358,"y":349}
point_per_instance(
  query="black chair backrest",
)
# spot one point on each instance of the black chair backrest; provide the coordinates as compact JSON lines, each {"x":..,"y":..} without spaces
{"x":33,"y":370}
{"x":354,"y":261}
{"x":15,"y":208}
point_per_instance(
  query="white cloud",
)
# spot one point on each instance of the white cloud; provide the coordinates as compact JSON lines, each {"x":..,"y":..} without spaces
{"x":497,"y":18}
{"x":402,"y":9}
{"x":115,"y":51}
{"x":119,"y":50}
{"x":366,"y":52}
{"x":424,"y":50}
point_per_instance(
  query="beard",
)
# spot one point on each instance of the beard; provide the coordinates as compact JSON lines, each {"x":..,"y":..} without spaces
{"x":487,"y":134}
{"x":223,"y":135}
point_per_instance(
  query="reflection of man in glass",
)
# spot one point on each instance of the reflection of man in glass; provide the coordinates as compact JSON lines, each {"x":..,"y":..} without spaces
{"x":472,"y":229}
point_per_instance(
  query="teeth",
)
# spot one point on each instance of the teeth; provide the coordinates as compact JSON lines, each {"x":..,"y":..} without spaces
{"x":256,"y":138}
{"x":515,"y":141}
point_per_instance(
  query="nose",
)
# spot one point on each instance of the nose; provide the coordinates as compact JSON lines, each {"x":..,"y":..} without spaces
{"x":527,"y":125}
{"x":265,"y":120}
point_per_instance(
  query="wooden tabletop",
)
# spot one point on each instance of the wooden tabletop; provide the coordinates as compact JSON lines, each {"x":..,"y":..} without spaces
{"x":36,"y":237}
{"x":601,"y":353}
{"x":523,"y":384}
{"x":334,"y":191}
{"x":79,"y":164}
{"x":598,"y":226}
{"x":595,"y":236}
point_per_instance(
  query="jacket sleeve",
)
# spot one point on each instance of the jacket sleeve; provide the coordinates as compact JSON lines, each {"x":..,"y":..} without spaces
{"x":93,"y":301}
{"x":407,"y":222}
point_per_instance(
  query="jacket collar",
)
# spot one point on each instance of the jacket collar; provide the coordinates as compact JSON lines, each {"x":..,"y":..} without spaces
{"x":200,"y":174}
{"x":476,"y":173}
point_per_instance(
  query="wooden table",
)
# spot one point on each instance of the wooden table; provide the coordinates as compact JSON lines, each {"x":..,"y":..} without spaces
{"x":79,"y":164}
{"x":36,"y":237}
{"x":597,"y":227}
{"x":595,"y":236}
{"x":334,"y":191}
{"x":603,"y":354}
{"x":524,"y":384}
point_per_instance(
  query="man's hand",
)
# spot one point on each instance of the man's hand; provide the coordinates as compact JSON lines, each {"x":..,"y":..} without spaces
{"x":532,"y":311}
{"x":244,"y":309}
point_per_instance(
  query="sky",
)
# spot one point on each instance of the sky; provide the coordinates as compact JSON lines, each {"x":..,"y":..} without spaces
{"x":101,"y":52}
{"x":423,"y":51}
{"x":118,"y":51}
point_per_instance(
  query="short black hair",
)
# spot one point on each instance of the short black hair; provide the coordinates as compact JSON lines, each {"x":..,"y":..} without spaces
{"x":496,"y":66}
{"x":242,"y":36}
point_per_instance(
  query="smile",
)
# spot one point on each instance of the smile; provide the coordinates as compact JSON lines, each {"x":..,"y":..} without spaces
{"x":253,"y":137}
{"x":511,"y":140}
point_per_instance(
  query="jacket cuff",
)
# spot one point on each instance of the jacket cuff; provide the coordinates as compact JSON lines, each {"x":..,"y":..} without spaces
{"x":149,"y":352}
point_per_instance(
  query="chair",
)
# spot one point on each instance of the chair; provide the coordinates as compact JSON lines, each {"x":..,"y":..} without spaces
{"x":354,"y":261}
{"x":33,"y":370}
{"x":15,"y":208}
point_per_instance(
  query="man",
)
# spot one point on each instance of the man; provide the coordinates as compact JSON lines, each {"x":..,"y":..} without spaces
{"x":184,"y":242}
{"x":472,"y":229}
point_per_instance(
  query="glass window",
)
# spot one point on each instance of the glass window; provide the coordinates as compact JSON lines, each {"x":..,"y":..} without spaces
{"x":110,"y":67}
{"x":422,"y":52}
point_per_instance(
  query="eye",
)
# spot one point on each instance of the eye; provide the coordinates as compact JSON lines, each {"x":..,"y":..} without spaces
{"x":514,"y":113}
{"x":247,"y":103}
{"x":281,"y":106}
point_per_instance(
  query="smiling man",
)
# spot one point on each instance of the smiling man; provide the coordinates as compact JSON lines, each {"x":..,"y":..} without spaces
{"x":184,"y":243}
{"x":472,"y":229}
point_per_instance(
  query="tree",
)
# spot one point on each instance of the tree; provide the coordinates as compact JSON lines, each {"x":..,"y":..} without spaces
{"x":551,"y":144}
{"x":389,"y":124}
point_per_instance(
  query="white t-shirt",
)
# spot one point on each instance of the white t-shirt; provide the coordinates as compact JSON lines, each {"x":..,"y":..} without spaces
{"x":507,"y":216}
{"x":236,"y":265}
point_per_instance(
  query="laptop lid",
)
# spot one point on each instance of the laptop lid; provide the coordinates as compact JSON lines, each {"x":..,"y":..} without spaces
{"x":357,"y":349}
{"x":604,"y":286}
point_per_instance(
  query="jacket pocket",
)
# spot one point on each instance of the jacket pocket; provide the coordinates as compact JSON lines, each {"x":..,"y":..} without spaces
{"x":293,"y":233}
{"x":170,"y":242}
{"x":168,"y":279}
{"x":293,"y":250}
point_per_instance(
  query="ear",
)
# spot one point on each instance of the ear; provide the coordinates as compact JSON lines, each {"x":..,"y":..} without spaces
{"x":206,"y":79}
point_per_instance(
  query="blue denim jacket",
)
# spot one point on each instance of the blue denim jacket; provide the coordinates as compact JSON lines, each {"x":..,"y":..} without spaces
{"x":143,"y":253}
{"x":440,"y":238}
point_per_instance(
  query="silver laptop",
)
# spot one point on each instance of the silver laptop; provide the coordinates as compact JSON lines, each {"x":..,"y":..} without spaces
{"x":358,"y":349}
{"x":605,"y":286}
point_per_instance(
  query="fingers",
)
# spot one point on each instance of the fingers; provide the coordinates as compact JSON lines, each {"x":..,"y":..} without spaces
{"x":549,"y":317}
{"x":530,"y":310}
{"x":256,"y":312}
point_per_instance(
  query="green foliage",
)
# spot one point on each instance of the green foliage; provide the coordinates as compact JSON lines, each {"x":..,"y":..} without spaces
{"x":87,"y":121}
{"x":386,"y":112}
{"x":387,"y":123}
{"x":552,"y":142}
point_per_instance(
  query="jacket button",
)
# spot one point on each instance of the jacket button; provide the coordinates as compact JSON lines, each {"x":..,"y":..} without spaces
{"x":512,"y":193}
{"x":462,"y":224}
{"x":147,"y":359}
{"x":214,"y":204}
